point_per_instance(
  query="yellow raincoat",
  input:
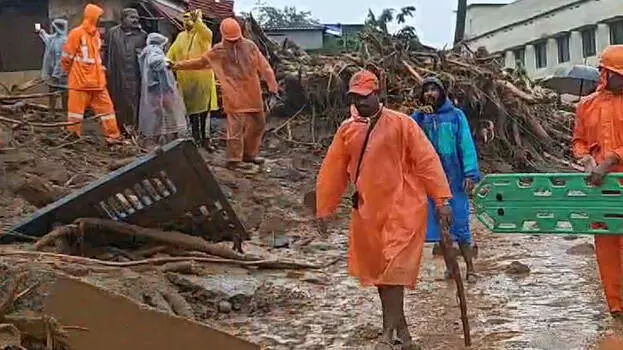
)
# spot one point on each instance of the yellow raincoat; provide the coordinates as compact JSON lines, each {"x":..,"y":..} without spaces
{"x":198,"y":87}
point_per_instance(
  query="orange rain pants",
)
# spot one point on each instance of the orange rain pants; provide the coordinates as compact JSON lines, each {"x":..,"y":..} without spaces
{"x":599,"y":133}
{"x":244,"y":135}
{"x":100,"y":103}
{"x":87,"y":81}
{"x":238,"y":67}
{"x":400,"y":169}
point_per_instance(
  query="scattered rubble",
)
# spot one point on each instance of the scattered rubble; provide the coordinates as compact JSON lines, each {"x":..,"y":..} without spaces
{"x":517,"y":268}
{"x":582,"y":249}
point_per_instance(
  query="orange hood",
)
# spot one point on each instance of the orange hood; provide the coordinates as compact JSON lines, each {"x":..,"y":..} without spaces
{"x":611,"y":60}
{"x":92,"y":13}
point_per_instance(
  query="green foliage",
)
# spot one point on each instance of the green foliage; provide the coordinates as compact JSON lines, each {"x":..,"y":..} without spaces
{"x":289,"y":17}
{"x":388,"y":16}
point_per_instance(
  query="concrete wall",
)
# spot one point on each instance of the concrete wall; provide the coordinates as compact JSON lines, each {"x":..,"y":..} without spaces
{"x":516,"y":11}
{"x":565,"y":16}
{"x":306,"y":39}
{"x":477,"y":15}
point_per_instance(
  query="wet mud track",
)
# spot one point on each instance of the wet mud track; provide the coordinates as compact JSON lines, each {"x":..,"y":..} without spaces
{"x":556,"y":305}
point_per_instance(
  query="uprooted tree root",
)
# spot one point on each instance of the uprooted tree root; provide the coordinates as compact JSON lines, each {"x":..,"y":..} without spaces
{"x":513,"y":122}
{"x":26,"y":332}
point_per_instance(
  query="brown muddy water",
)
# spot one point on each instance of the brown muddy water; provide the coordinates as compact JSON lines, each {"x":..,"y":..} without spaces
{"x":556,"y":305}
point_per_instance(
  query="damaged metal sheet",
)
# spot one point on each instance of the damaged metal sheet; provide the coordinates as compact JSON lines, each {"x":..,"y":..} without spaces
{"x":170,"y":188}
{"x":107,"y":320}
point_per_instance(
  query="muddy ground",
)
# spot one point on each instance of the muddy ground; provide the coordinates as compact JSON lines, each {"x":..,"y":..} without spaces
{"x":534,"y":292}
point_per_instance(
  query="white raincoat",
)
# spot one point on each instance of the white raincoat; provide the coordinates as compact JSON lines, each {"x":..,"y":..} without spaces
{"x":162,"y":114}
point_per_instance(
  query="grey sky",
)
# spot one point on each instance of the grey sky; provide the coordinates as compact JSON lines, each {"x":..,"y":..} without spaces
{"x":434,"y":19}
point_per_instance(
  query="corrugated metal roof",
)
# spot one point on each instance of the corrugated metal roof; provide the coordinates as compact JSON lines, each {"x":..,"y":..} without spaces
{"x":289,"y":29}
{"x":216,"y":9}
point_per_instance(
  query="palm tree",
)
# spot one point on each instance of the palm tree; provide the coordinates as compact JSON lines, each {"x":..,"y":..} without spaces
{"x":387,"y":16}
{"x":404,"y":13}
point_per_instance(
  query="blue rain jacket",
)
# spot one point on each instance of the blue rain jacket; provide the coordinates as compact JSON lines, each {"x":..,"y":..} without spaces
{"x":448,"y":131}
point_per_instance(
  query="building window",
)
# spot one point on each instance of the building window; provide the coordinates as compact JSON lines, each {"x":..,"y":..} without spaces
{"x":589,"y":45}
{"x":563,"y":49}
{"x":616,"y":33}
{"x":540,"y":55}
{"x":520,"y":57}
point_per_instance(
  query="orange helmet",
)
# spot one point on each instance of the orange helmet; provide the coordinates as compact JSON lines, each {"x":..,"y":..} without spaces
{"x":230,"y":29}
{"x":612,"y":59}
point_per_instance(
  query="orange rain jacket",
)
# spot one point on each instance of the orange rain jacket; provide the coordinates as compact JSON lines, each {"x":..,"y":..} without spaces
{"x":399,"y":169}
{"x":599,"y":132}
{"x":238,"y":66}
{"x":81,"y":54}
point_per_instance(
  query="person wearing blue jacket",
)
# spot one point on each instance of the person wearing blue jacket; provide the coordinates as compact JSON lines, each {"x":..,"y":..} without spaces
{"x":447,"y":129}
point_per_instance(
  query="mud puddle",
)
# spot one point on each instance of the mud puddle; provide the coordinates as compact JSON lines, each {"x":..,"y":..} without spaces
{"x":556,"y":305}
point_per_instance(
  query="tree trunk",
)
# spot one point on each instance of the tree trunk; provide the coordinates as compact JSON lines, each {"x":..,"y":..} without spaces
{"x":461,"y":14}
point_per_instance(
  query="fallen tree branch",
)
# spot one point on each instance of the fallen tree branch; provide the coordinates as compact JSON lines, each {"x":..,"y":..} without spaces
{"x":516,"y":91}
{"x":412,"y":71}
{"x":170,"y":238}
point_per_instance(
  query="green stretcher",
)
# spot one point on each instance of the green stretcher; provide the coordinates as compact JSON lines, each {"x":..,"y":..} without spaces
{"x":550,"y":204}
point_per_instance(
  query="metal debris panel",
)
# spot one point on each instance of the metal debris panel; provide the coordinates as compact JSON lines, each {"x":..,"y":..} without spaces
{"x":171,"y":184}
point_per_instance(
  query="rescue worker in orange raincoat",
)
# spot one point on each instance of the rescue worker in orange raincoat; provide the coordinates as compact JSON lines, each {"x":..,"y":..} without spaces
{"x":598,"y":144}
{"x":238,"y":65}
{"x":393,"y":175}
{"x":87,"y":78}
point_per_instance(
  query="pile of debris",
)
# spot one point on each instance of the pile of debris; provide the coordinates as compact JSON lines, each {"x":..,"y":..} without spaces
{"x":518,"y":126}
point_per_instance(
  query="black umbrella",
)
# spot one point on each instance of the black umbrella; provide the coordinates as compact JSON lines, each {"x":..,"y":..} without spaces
{"x":577,"y":80}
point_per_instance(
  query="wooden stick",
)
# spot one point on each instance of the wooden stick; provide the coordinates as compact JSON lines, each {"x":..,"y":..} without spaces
{"x":415,"y":74}
{"x":39,"y":125}
{"x":28,"y":96}
{"x":262,"y":264}
{"x":287,"y":122}
{"x":450,"y":258}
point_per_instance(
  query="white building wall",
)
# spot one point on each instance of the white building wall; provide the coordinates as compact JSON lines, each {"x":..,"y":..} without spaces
{"x":519,"y":24}
{"x":306,"y":39}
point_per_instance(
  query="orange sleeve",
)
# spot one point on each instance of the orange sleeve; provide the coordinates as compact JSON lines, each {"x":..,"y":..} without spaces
{"x":69,"y":50}
{"x":200,"y":63}
{"x":332,"y":178}
{"x":580,"y":144}
{"x":266,"y":71}
{"x":426,"y":164}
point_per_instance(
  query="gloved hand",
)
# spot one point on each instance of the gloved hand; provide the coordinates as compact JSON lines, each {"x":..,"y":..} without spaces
{"x":196,"y":15}
{"x":273,"y":100}
{"x":598,"y":174}
{"x":589,"y":163}
{"x":469,"y":185}
{"x":171,"y":65}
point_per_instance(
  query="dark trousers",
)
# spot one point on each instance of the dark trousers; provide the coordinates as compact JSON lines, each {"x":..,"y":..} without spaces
{"x":198,"y":126}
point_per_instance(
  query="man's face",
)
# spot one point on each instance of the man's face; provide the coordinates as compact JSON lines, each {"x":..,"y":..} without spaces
{"x":188,"y":23}
{"x":432,"y":94}
{"x":367,"y":106}
{"x":615,"y":83}
{"x":131,"y":20}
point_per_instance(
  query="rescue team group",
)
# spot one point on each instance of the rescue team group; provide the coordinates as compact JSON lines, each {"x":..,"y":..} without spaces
{"x":429,"y":162}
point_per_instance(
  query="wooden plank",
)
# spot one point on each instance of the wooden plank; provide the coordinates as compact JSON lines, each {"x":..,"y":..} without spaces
{"x":116,"y":322}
